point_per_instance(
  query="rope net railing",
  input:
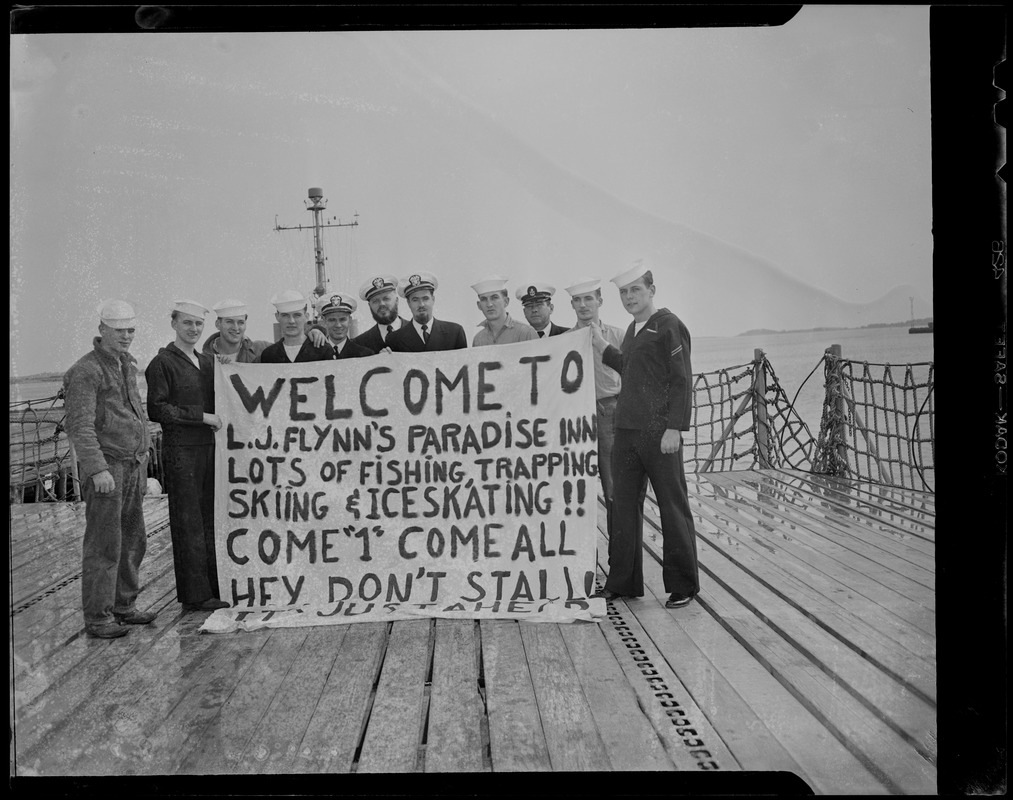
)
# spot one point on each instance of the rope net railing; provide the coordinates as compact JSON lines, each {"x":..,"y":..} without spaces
{"x":42,"y":467}
{"x":878,"y":423}
{"x":742,"y":419}
{"x":39,"y":449}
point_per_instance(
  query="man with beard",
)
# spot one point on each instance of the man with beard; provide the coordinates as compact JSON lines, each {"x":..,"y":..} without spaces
{"x":181,"y":398}
{"x":425,"y":332}
{"x":498,"y":327}
{"x":294,"y":346}
{"x":107,"y":425}
{"x":380,"y":292}
{"x":335,"y":313}
{"x":536,"y":300}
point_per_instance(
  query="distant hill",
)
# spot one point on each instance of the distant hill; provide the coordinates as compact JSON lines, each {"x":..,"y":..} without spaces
{"x":905,"y":324}
{"x":37,"y":378}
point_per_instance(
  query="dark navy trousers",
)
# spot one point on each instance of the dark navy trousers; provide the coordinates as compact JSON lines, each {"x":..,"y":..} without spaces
{"x":190,"y":484}
{"x":637,"y":458}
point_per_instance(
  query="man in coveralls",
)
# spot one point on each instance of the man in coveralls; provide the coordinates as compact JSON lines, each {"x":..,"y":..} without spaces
{"x":654,"y":407}
{"x":181,"y":397}
{"x":107,"y":425}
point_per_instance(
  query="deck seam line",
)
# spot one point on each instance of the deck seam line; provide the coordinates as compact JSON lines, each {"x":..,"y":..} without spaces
{"x":801,"y":517}
{"x":878,"y":582}
{"x":905,"y":506}
{"x":756,"y":612}
{"x":710,"y":503}
{"x":354,"y":766}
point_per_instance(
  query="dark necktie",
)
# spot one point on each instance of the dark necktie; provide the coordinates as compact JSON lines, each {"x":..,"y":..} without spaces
{"x":390,"y":330}
{"x":425,"y":334}
{"x":541,"y":334}
{"x":337,"y":352}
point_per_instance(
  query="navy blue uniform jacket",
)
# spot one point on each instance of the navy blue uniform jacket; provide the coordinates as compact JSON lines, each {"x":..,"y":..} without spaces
{"x":179,"y":395}
{"x":444,"y":336}
{"x":372,"y":338}
{"x":351,"y":350}
{"x":657,"y":389}
{"x":275,"y":354}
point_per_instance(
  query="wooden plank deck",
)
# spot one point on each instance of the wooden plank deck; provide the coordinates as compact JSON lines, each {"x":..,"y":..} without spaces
{"x":810,"y":651}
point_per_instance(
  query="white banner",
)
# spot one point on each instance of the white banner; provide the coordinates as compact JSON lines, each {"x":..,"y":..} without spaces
{"x":458,"y":484}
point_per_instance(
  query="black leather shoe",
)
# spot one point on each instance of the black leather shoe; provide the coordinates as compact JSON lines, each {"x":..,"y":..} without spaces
{"x":607,"y":594}
{"x":136,"y":617}
{"x":676,"y":600}
{"x":208,"y":605}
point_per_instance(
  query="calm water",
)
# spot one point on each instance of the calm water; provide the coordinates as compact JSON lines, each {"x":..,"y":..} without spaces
{"x":792,"y":355}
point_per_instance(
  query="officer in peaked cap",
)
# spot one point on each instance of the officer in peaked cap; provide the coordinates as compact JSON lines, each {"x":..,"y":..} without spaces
{"x":294,"y":346}
{"x":655,"y":405}
{"x":425,"y":332}
{"x":498,"y":327}
{"x":335,"y":311}
{"x":536,"y":300}
{"x":380,"y":292}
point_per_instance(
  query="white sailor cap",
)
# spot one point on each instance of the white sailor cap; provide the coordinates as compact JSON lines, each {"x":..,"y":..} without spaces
{"x":289,"y":300}
{"x":535,"y":293}
{"x":627,"y":276}
{"x":377,"y":284}
{"x":191,"y":307}
{"x":494,"y":283}
{"x":117,"y":314}
{"x":230,"y":307}
{"x":584,"y":285}
{"x":336,"y":302}
{"x":416,"y":281}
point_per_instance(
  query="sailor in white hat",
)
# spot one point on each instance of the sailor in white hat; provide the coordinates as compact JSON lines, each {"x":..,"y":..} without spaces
{"x":116,"y":326}
{"x":290,"y":309}
{"x":108,"y":428}
{"x":586,"y":301}
{"x":536,"y":300}
{"x":335,"y":312}
{"x":180,"y":394}
{"x":498,"y":327}
{"x":188,"y":321}
{"x":425,"y":332}
{"x":655,"y":405}
{"x":231,"y":343}
{"x":380,"y":292}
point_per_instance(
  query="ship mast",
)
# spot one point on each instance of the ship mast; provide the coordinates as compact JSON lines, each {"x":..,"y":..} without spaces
{"x":316,"y":204}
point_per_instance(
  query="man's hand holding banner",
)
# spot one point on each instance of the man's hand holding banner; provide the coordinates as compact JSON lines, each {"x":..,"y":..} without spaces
{"x":459,"y":484}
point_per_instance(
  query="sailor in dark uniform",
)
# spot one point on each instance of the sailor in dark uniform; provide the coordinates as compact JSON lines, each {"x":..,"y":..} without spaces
{"x":654,"y":407}
{"x":181,"y":398}
{"x":536,"y":300}
{"x":380,"y":292}
{"x":294,"y":345}
{"x":335,"y":312}
{"x":425,"y":333}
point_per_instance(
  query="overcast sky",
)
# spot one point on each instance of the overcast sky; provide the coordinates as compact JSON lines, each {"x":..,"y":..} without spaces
{"x":774,"y":177}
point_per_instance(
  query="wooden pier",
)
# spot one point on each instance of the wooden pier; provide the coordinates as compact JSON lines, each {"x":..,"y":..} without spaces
{"x":810,"y":650}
